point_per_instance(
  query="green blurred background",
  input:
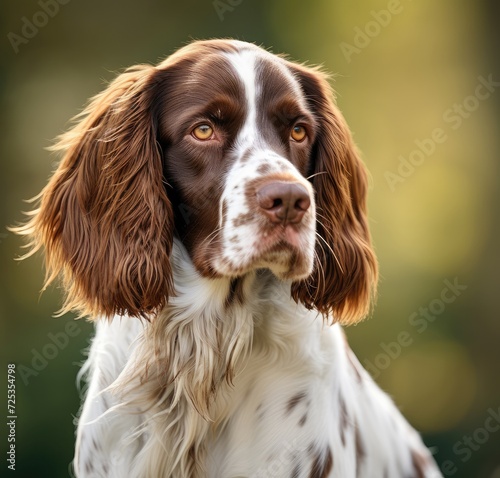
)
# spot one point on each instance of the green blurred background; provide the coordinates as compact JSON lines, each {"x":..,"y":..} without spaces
{"x":407,"y":72}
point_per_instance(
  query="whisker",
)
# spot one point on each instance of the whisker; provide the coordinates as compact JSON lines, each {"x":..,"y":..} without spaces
{"x":213,"y":234}
{"x":316,"y":174}
{"x":318,"y":214}
{"x":321,"y":271}
{"x":331,"y":250}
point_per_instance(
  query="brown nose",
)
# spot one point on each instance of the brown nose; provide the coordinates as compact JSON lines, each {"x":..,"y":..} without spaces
{"x":283,"y":202}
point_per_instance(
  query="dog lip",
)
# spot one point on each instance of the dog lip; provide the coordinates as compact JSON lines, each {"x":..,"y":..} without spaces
{"x":286,"y":235}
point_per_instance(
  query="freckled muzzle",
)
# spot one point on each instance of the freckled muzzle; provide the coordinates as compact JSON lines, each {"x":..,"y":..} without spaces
{"x":270,"y":221}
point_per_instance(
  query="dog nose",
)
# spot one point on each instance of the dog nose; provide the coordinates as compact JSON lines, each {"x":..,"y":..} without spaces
{"x":283,"y":202}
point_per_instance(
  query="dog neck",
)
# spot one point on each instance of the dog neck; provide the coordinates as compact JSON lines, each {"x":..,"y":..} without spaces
{"x":202,"y":341}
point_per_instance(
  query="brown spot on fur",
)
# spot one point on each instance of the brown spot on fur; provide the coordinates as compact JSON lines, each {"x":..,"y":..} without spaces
{"x":322,"y":464}
{"x":294,"y":401}
{"x":419,"y":462}
{"x":343,"y":420}
{"x":264,"y":169}
{"x":245,"y":156}
{"x":243,"y":219}
{"x":360,"y":450}
{"x":303,"y":420}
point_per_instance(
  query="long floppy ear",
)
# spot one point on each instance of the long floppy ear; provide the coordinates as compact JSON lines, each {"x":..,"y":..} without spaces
{"x":104,"y":218}
{"x":344,"y":278}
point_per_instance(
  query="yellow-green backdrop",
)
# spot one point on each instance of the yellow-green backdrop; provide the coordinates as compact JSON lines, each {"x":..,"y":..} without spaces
{"x":418,"y":81}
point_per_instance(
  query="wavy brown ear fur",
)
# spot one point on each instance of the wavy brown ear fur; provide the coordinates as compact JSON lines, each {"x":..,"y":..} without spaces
{"x":104,"y":218}
{"x":345,"y":272}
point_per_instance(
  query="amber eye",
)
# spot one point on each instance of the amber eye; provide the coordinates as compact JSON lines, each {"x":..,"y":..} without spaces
{"x":298,"y":133}
{"x":203,"y":132}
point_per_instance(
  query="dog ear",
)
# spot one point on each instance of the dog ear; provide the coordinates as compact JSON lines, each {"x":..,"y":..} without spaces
{"x":104,"y":218}
{"x":344,"y":278}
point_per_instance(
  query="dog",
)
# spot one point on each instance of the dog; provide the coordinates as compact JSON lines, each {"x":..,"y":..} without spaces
{"x":209,"y":213}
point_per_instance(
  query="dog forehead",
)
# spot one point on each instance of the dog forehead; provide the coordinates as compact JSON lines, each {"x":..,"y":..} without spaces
{"x":213,"y":72}
{"x":263,"y":72}
{"x":232,"y":68}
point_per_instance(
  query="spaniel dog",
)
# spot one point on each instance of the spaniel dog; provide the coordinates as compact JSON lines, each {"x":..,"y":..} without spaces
{"x":210,"y":214}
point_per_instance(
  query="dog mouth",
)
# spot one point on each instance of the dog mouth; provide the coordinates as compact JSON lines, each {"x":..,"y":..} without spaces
{"x":285,"y":253}
{"x":281,"y":237}
{"x":286,"y":250}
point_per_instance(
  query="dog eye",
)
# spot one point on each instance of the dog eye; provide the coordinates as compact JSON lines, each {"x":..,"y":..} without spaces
{"x":298,"y":133}
{"x":203,"y":132}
